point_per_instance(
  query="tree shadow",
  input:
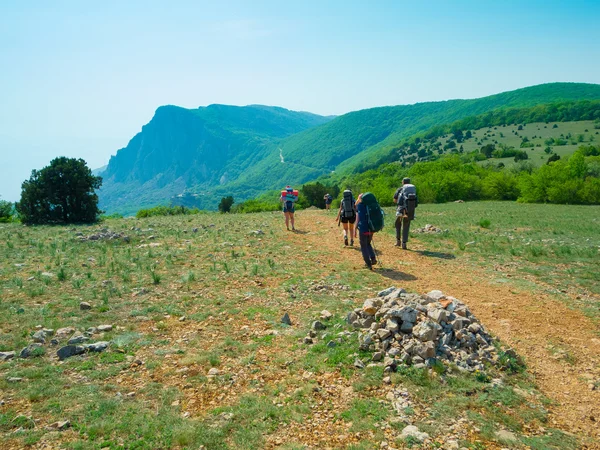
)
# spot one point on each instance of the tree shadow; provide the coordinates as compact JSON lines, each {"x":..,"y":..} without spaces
{"x":395,"y":275}
{"x":439,"y":255}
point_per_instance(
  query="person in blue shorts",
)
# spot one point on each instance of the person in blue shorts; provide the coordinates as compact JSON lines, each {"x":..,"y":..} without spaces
{"x":288,"y":206}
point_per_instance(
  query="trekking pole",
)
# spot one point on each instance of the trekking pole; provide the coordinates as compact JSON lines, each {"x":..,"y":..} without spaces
{"x":375,"y":250}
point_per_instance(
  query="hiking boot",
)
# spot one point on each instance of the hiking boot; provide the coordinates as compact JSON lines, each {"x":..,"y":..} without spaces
{"x":345,"y":240}
{"x":368,"y":266}
{"x":404,"y":246}
{"x":293,"y":229}
{"x":373,"y":261}
{"x":351,"y":242}
{"x":398,"y":243}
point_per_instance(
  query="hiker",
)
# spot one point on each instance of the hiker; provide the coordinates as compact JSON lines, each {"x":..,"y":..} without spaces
{"x":328,"y":199}
{"x":288,"y":198}
{"x":365,"y":234}
{"x":406,"y":199}
{"x":347,"y":216}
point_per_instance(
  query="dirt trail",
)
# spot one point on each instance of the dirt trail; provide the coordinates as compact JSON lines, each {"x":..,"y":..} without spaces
{"x":531,"y":322}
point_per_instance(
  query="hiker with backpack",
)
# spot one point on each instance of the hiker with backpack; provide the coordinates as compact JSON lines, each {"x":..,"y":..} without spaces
{"x":328,"y":199}
{"x":370,"y":221}
{"x":406,"y":199}
{"x":347,"y":215}
{"x":288,"y":198}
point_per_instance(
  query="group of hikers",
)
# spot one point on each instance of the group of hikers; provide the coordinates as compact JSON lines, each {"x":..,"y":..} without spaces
{"x":362,"y":217}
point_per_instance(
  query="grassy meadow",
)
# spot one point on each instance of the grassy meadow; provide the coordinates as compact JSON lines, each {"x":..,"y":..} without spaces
{"x":200,"y":359}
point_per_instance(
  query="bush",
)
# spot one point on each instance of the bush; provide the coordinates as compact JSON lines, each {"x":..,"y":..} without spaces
{"x":63,"y":192}
{"x":484,"y":223}
{"x":6,"y":211}
{"x":225,"y":205}
{"x":166,"y":211}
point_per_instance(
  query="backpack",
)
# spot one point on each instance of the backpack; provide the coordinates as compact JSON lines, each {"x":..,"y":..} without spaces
{"x":348,"y":205}
{"x":409,"y":202}
{"x":374,"y":212}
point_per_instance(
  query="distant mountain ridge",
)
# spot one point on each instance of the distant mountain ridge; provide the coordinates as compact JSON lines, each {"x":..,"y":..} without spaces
{"x":225,"y":150}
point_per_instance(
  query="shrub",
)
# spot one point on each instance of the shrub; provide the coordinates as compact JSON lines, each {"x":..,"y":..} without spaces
{"x":166,"y":211}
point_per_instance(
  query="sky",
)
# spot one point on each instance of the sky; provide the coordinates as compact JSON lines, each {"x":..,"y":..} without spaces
{"x":80,"y":79}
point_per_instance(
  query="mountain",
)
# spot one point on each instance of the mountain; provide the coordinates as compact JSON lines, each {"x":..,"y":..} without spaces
{"x":244,"y":151}
{"x":201,"y":148}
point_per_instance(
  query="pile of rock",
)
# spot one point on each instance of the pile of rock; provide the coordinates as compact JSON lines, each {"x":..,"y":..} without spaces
{"x":103,"y":235}
{"x":77,"y":343}
{"x":429,"y":229}
{"x":420,"y":330}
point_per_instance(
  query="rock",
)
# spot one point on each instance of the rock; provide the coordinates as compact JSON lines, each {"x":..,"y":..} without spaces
{"x":182,"y":319}
{"x":60,"y":426}
{"x":91,"y":330}
{"x":506,"y":436}
{"x":352,"y":318}
{"x":383,"y":333}
{"x":378,"y":356}
{"x":78,"y":338}
{"x":424,"y":331}
{"x":406,"y":327}
{"x":391,"y":293}
{"x":85,"y":306}
{"x":474,"y":328}
{"x":413,"y":432}
{"x":460,"y":323}
{"x":318,"y":326}
{"x":391,"y":325}
{"x":371,"y":305}
{"x":31,"y":350}
{"x":425,"y":350}
{"x":331,"y":344}
{"x":39,"y":336}
{"x":435,"y":295}
{"x":14,"y":379}
{"x":5,"y":356}
{"x":63,"y":333}
{"x":405,"y":314}
{"x":308,"y":340}
{"x":97,"y":346}
{"x":387,"y":380}
{"x":70,"y":350}
{"x":286,"y":319}
{"x":104,"y":328}
{"x":359,"y":364}
{"x":438,"y":314}
{"x":325,"y":315}
{"x":213,"y":372}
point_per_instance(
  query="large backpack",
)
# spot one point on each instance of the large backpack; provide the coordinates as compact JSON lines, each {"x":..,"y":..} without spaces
{"x":409,"y":200}
{"x":374,"y":212}
{"x":348,"y":205}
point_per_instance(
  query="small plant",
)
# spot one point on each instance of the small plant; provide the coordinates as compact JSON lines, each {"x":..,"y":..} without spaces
{"x":254,"y":270}
{"x":484,"y":223}
{"x":155,"y":277}
{"x":61,"y":275}
{"x":271,"y":263}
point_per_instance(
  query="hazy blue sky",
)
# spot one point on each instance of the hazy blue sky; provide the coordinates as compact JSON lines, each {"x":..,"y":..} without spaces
{"x":80,"y":78}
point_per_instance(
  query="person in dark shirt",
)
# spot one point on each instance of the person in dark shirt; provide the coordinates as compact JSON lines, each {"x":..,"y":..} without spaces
{"x":365,"y":234}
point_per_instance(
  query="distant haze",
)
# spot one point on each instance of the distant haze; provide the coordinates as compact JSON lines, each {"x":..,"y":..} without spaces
{"x":80,"y":79}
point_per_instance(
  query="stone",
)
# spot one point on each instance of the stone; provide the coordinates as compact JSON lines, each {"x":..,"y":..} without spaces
{"x":60,"y":426}
{"x":97,"y":346}
{"x":359,"y":364}
{"x":425,"y":350}
{"x":438,"y":314}
{"x":389,"y":362}
{"x":371,"y":305}
{"x":78,"y":338}
{"x":413,"y":432}
{"x":387,"y":380}
{"x":63,"y":333}
{"x":85,"y":306}
{"x":318,"y":326}
{"x":506,"y":436}
{"x":5,"y":356}
{"x":405,"y":313}
{"x":331,"y":344}
{"x":383,"y":333}
{"x":14,"y":379}
{"x":406,"y":327}
{"x":460,"y":323}
{"x":104,"y":328}
{"x":39,"y":336}
{"x":391,"y":325}
{"x":435,"y":295}
{"x":31,"y":349}
{"x":213,"y":372}
{"x":352,"y":318}
{"x":386,"y":292}
{"x":69,"y":351}
{"x":286,"y":319}
{"x":424,"y":331}
{"x":377,"y":356}
{"x":474,"y":328}
{"x":325,"y":315}
{"x":308,"y":340}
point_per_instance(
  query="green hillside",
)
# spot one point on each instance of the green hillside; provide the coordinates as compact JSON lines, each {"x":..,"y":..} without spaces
{"x":180,"y":148}
{"x":219,"y":150}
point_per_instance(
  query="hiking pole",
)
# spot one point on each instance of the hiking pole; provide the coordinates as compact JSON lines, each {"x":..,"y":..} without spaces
{"x":375,"y":250}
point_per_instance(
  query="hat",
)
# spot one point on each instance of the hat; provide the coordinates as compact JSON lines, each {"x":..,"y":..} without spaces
{"x":288,"y":188}
{"x":405,"y":180}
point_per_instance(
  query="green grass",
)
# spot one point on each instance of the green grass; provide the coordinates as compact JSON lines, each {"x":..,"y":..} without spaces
{"x":232,"y":288}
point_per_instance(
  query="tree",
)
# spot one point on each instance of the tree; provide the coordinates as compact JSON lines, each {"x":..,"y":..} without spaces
{"x":553,"y":157}
{"x":225,"y":205}
{"x":6,"y":209}
{"x":63,"y":192}
{"x":487,"y":150}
